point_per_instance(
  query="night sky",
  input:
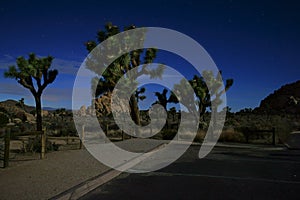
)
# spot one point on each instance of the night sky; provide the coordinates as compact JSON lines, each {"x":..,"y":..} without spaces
{"x":254,"y":42}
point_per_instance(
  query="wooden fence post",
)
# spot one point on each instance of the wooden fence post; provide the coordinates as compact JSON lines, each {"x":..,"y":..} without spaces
{"x":6,"y":147}
{"x":123,"y":136}
{"x":273,"y":136}
{"x":43,"y":144}
{"x":82,"y":137}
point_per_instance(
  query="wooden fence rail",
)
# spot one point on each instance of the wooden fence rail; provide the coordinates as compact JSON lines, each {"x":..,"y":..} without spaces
{"x":5,"y":148}
{"x":5,"y":143}
{"x":248,"y":132}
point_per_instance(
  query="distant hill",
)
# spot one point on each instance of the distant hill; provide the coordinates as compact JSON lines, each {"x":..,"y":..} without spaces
{"x":49,"y":108}
{"x":11,"y":103}
{"x":13,"y":110}
{"x":284,"y":100}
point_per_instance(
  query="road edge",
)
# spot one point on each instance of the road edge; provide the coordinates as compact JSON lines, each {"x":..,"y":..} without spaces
{"x":87,"y":186}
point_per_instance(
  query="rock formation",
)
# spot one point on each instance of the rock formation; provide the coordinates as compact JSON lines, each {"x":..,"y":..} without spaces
{"x":284,"y":100}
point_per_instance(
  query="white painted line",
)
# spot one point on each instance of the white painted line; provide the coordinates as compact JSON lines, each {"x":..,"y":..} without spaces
{"x":226,"y":177}
{"x":255,"y":159}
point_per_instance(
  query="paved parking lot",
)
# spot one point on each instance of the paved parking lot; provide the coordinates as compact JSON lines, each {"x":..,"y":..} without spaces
{"x":226,"y":173}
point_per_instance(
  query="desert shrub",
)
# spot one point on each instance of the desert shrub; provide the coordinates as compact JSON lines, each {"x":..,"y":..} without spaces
{"x":3,"y":110}
{"x":203,"y":125}
{"x":282,"y":129}
{"x":33,"y":112}
{"x":14,"y":132}
{"x":22,"y":116}
{"x":200,"y":136}
{"x":231,"y":136}
{"x":3,"y":119}
{"x":59,"y":129}
{"x":34,"y":145}
{"x":168,"y":134}
{"x":253,"y":133}
{"x":64,"y":132}
{"x":245,"y":131}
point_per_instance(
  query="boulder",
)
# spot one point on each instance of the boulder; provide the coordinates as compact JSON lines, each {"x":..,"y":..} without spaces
{"x":30,"y":118}
{"x":45,"y":113}
{"x":293,"y":141}
{"x":82,"y":111}
{"x":103,"y":105}
{"x":17,"y":120}
{"x":21,"y":115}
{"x":90,"y":110}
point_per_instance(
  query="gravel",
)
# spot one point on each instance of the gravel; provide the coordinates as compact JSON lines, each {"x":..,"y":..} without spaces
{"x":59,"y":171}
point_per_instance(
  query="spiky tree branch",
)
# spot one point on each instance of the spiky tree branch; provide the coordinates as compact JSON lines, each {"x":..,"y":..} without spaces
{"x":122,"y":65}
{"x":36,"y":69}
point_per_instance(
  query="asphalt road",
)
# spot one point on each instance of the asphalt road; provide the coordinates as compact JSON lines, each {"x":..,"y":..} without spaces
{"x":226,"y":173}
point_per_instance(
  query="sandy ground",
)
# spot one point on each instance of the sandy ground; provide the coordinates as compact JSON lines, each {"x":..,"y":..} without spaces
{"x":28,"y":177}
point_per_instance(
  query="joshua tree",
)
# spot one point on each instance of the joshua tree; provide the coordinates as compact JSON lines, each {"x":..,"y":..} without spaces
{"x":139,"y":96}
{"x":30,"y":70}
{"x":205,"y":97}
{"x":164,"y":100}
{"x":105,"y":84}
{"x":200,"y":87}
{"x":214,"y":83}
{"x":173,"y":112}
{"x":61,"y":112}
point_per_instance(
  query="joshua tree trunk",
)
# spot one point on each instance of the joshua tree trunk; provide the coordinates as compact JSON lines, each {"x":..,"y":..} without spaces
{"x":214,"y":121}
{"x":201,"y":111}
{"x":38,"y":108}
{"x":135,"y":114}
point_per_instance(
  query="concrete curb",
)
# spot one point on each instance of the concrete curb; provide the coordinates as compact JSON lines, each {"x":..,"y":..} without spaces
{"x":85,"y":187}
{"x":235,"y":145}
